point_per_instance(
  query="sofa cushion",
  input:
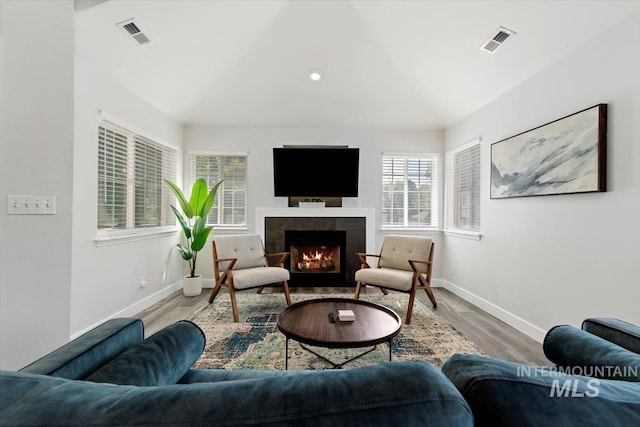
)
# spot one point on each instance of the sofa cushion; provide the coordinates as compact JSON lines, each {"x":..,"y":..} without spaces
{"x":247,"y":249}
{"x":503,"y":393}
{"x":616,"y":331}
{"x":590,"y":355}
{"x":258,"y":276}
{"x":216,"y":375}
{"x":395,"y":393}
{"x":82,"y":356}
{"x":161,"y":359}
{"x":397,"y":250}
{"x":401,"y":280}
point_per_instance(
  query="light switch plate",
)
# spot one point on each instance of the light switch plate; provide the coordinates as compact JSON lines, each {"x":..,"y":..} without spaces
{"x":31,"y":205}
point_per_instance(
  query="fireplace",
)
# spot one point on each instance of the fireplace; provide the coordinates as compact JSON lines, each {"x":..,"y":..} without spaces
{"x":358,"y":225}
{"x":316,"y":258}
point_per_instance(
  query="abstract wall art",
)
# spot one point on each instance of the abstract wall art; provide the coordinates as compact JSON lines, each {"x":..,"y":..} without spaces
{"x":567,"y":155}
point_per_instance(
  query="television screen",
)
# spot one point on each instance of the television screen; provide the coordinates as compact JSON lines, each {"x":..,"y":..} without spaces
{"x":315,"y":172}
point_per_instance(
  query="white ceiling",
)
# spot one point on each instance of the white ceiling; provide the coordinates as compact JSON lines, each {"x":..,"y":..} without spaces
{"x":387,"y":64}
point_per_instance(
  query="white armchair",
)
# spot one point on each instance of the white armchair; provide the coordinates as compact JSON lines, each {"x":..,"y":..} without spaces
{"x":240,"y":263}
{"x":404,"y":264}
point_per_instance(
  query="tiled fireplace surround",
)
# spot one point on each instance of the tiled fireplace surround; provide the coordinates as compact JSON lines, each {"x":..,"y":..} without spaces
{"x":357,"y":223}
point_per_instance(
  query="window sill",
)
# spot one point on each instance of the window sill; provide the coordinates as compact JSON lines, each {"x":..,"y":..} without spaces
{"x":471,"y":235}
{"x":229,"y":229}
{"x":121,"y":237}
{"x":426,"y":230}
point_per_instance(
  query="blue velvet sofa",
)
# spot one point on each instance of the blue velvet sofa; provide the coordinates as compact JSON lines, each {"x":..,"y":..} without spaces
{"x":595,"y":380}
{"x":112,"y":376}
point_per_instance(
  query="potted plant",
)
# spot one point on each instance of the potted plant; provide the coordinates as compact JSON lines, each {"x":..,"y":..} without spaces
{"x":193,"y":221}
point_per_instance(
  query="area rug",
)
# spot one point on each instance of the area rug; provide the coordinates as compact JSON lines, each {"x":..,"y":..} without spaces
{"x":256,"y":343}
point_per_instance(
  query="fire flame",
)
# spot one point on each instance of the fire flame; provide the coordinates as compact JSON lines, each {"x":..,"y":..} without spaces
{"x":319,"y":256}
{"x":315,"y":260}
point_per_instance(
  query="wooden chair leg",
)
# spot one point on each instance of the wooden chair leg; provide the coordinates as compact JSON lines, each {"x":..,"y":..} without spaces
{"x":214,"y":292}
{"x":260,"y":289}
{"x":427,"y":289}
{"x":384,"y":291}
{"x":287,"y":295}
{"x":356,"y":295}
{"x":234,"y":304}
{"x":412,"y":297}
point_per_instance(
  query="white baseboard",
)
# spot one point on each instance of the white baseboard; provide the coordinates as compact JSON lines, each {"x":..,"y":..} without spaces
{"x":510,"y":319}
{"x":136,"y":307}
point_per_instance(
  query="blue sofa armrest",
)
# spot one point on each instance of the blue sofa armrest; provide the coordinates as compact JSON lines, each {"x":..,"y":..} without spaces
{"x":82,"y":356}
{"x":616,"y":331}
{"x":590,"y":355}
{"x":395,"y":393}
{"x":502,"y":393}
{"x":161,"y":359}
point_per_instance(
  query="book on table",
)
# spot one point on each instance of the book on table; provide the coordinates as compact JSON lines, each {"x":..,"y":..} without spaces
{"x":346,"y":315}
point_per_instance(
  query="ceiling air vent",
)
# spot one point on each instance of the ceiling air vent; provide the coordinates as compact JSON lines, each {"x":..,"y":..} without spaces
{"x":132,"y":30}
{"x":497,"y":39}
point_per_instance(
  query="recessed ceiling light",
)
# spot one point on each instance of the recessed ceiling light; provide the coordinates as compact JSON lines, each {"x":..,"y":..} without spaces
{"x":315,"y":75}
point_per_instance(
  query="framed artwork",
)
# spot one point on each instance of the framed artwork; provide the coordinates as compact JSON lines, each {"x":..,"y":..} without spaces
{"x":565,"y":156}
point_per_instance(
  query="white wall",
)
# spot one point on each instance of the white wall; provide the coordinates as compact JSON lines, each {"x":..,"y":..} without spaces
{"x":551,"y":260}
{"x":106,"y":279}
{"x":542,"y":261}
{"x":258,"y":142}
{"x":36,"y":154}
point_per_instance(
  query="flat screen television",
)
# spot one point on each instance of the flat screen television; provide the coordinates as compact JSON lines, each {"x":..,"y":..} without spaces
{"x":316,"y":172}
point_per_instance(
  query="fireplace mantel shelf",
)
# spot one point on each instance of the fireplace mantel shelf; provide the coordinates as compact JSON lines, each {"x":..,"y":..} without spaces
{"x":367,"y":213}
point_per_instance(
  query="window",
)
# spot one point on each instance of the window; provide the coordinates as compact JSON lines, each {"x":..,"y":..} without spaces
{"x":131,"y":191}
{"x":410,"y":190}
{"x":463,"y":188}
{"x":230,"y":207}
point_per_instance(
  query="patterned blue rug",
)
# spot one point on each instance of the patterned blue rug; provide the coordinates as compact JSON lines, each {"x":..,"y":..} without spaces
{"x":256,"y":343}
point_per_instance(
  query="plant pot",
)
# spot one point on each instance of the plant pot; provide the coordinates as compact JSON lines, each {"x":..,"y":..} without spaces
{"x":192,"y":286}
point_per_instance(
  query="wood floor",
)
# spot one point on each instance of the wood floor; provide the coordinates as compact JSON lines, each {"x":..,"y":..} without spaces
{"x":491,"y":335}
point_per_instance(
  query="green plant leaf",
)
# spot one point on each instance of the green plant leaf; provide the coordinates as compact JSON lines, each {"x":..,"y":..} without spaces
{"x":200,"y":239}
{"x":198,"y":226}
{"x":208,"y":203}
{"x":198,"y":196}
{"x":185,"y":253}
{"x":184,"y":205}
{"x":183,"y":223}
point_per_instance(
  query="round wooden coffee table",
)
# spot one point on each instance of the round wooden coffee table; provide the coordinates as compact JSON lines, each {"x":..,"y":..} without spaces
{"x":308,"y":322}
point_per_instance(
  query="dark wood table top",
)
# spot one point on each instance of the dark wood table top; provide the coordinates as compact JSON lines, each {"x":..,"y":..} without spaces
{"x":308,"y":322}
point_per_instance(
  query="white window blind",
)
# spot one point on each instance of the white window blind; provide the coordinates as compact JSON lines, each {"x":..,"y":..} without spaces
{"x":463,"y":188}
{"x":230,"y":207}
{"x":410,"y":190}
{"x":131,"y":170}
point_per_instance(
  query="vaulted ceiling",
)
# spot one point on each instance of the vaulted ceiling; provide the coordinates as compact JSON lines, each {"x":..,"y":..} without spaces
{"x":386,"y":64}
